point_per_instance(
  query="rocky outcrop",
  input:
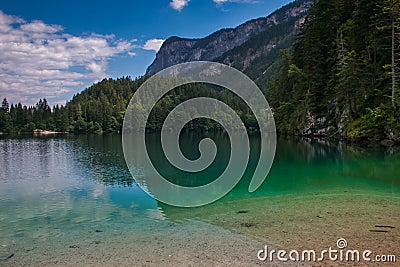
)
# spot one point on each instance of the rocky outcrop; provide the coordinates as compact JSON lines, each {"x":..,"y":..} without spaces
{"x":177,"y":50}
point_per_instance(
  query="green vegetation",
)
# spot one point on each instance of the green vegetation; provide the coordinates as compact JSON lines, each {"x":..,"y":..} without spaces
{"x":341,"y":76}
{"x":101,"y":109}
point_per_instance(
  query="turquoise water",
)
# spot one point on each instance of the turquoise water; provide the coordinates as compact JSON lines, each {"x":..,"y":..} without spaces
{"x":51,"y":185}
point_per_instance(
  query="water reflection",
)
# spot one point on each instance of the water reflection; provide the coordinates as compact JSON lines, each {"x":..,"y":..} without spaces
{"x":103,"y":157}
{"x":50,"y":184}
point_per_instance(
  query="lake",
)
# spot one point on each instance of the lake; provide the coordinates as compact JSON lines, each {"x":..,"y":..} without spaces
{"x":70,"y":200}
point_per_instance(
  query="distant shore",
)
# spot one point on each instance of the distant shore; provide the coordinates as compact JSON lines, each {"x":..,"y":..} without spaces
{"x":36,"y":132}
{"x":368,"y":142}
{"x":46,"y":132}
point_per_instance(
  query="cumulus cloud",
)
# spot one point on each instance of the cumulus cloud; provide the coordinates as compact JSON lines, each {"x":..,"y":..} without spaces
{"x":41,"y":60}
{"x":220,"y":2}
{"x":153,"y":44}
{"x":39,"y":27}
{"x":178,"y":4}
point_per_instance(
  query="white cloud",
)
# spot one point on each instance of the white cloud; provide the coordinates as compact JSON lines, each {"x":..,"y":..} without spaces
{"x":96,"y":67}
{"x":220,"y":2}
{"x":39,"y":27}
{"x":7,"y":20}
{"x":153,"y":44}
{"x":41,"y":60}
{"x":178,"y":4}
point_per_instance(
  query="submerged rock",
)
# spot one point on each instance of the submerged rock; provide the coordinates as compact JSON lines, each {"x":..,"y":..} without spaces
{"x":9,"y":257}
{"x":242,"y":211}
{"x":247,"y":224}
{"x":387,"y":143}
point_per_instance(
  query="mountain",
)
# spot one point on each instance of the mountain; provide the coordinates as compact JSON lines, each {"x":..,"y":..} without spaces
{"x":239,"y":47}
{"x":339,"y":77}
{"x":252,"y":46}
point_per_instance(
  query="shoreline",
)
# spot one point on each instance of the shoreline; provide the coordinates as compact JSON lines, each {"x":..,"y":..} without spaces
{"x":45,"y":132}
{"x":378,"y":143}
{"x":312,"y":221}
{"x":34,"y":132}
{"x":226,"y":234}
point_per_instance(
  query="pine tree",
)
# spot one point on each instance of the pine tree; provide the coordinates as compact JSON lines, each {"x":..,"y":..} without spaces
{"x":5,"y":119}
{"x":4,"y":106}
{"x":389,"y":23}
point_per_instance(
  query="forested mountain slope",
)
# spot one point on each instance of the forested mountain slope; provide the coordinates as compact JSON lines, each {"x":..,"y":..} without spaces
{"x":341,"y":77}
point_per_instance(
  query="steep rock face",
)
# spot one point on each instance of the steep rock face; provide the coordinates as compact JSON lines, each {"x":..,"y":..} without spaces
{"x":177,"y":50}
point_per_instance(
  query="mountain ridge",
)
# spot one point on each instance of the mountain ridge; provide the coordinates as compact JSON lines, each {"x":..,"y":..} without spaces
{"x":177,"y":50}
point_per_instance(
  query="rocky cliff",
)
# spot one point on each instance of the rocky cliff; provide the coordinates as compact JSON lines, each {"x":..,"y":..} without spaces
{"x":255,"y":38}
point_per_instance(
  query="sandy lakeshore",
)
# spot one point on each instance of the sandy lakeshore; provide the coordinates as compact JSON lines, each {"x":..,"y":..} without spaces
{"x":305,"y":222}
{"x":168,"y":244}
{"x":227,"y":234}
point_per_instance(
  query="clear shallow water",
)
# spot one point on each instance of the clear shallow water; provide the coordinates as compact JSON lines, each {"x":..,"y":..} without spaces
{"x":53,"y":185}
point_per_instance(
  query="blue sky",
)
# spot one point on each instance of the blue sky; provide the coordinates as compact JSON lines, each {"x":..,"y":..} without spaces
{"x":55,"y":49}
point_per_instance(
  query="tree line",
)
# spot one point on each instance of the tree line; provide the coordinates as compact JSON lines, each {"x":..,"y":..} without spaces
{"x":101,"y":109}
